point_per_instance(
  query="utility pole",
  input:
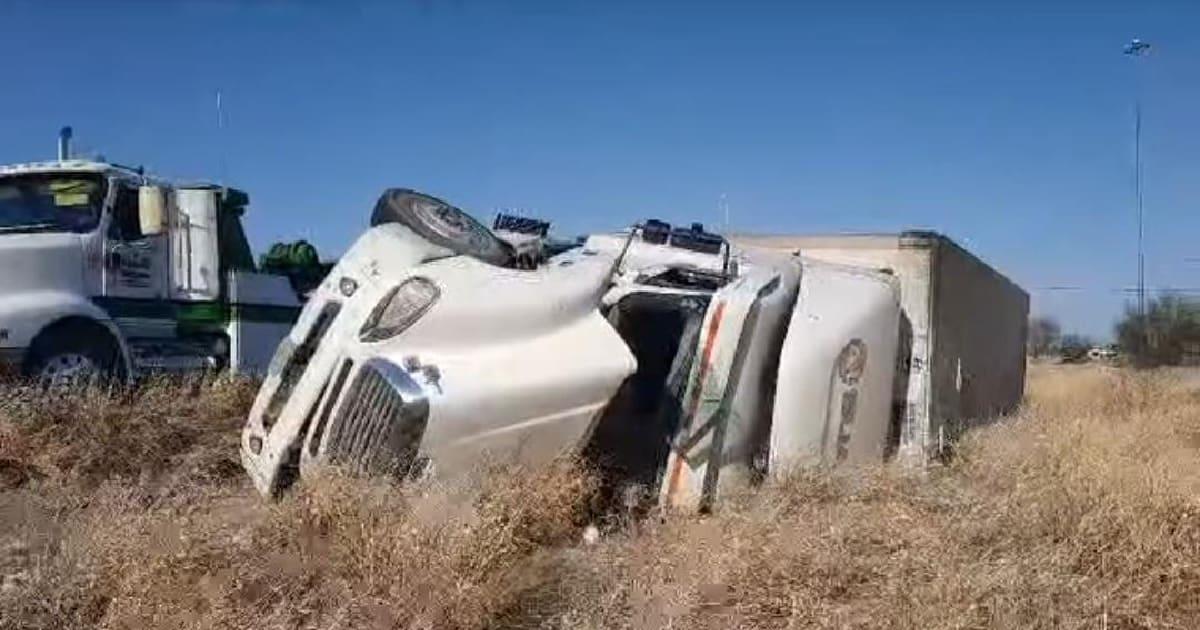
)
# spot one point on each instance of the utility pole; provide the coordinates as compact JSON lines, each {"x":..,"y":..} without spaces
{"x":1137,"y":49}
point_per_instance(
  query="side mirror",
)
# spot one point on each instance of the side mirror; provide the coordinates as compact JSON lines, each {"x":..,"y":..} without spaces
{"x":152,"y":211}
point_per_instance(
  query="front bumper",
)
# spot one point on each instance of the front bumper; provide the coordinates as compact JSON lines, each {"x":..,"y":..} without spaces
{"x":369,"y":418}
{"x":322,"y":401}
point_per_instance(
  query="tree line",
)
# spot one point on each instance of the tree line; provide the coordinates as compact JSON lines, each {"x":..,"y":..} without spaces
{"x":1167,"y":334}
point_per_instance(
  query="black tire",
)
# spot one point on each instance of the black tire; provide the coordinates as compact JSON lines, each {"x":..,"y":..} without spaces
{"x":441,"y":224}
{"x":57,"y":345}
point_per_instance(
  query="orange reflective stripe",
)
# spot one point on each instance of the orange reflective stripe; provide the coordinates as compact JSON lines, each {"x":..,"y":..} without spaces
{"x":694,"y":404}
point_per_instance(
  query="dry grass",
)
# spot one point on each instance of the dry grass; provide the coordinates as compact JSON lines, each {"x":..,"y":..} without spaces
{"x":131,"y":512}
{"x":1079,"y":512}
{"x":83,"y":438}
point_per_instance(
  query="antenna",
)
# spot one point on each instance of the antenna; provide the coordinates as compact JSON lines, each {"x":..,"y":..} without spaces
{"x":224,"y":166}
{"x":723,"y":206}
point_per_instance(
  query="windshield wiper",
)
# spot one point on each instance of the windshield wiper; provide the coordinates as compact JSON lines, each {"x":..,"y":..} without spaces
{"x":31,"y":227}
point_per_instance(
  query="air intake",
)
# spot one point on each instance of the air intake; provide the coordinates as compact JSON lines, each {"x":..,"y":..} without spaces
{"x":64,"y":144}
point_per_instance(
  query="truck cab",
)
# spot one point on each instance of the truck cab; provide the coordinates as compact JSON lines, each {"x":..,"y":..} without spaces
{"x":685,"y":369}
{"x":108,"y":271}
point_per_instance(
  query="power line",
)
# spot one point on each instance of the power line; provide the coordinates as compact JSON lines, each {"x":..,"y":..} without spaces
{"x":1123,"y":290}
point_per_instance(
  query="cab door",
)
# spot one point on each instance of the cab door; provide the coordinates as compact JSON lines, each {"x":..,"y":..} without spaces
{"x":134,"y":264}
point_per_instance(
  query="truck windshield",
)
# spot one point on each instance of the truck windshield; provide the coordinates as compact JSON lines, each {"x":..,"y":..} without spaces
{"x":51,"y":202}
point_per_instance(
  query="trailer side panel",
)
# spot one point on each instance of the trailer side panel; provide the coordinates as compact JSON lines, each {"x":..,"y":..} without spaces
{"x":978,"y":338}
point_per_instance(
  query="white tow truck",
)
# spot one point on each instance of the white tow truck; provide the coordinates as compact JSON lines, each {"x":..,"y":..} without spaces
{"x":676,"y":362}
{"x":108,"y":271}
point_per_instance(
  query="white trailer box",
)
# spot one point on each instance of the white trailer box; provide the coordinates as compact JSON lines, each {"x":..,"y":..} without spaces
{"x":962,"y":330}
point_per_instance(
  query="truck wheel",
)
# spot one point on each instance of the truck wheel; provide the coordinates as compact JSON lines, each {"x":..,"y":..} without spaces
{"x":72,"y":358}
{"x":441,"y":224}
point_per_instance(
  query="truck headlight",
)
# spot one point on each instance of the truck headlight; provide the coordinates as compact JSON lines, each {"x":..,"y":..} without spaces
{"x":398,"y":309}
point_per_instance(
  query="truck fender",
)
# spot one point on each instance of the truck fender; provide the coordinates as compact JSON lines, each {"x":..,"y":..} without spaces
{"x":27,"y":315}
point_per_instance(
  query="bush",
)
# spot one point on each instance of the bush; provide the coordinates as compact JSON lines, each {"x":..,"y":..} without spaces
{"x":1169,"y":334}
{"x":1044,"y":336}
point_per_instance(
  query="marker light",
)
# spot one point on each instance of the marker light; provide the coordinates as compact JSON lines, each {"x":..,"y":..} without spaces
{"x":347,"y":286}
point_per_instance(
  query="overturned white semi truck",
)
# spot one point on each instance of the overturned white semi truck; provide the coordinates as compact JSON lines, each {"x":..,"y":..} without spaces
{"x":677,"y":362}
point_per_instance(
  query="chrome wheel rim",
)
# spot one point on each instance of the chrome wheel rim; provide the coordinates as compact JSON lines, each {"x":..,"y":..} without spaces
{"x":68,"y":369}
{"x":453,"y":225}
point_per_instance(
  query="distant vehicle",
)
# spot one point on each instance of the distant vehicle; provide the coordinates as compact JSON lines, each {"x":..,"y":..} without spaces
{"x":108,"y":271}
{"x":1102,"y":353}
{"x":679,"y":362}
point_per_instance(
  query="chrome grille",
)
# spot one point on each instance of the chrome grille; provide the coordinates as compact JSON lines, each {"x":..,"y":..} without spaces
{"x":330,"y":399}
{"x":379,"y":426}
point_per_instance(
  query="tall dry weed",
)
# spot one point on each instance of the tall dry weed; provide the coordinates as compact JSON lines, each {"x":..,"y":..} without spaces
{"x":1078,"y":512}
{"x":342,"y":552}
{"x":88,"y":436}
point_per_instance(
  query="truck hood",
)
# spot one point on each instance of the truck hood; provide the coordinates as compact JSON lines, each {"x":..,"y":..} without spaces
{"x":40,"y":262}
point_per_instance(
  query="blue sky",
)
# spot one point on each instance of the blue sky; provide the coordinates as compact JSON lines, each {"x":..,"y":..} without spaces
{"x":1006,"y":125}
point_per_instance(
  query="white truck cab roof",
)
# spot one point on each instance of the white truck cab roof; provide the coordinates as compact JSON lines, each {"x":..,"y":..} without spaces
{"x":97,"y":166}
{"x":72,"y":166}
